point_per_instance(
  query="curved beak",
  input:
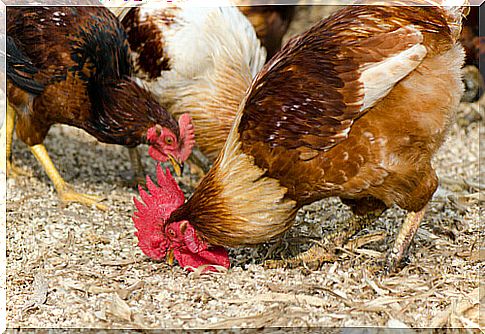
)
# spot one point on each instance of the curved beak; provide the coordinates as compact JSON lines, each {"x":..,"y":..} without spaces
{"x":170,"y":257}
{"x":177,"y":165}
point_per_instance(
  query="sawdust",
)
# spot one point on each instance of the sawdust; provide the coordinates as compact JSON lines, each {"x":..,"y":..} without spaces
{"x":79,"y":267}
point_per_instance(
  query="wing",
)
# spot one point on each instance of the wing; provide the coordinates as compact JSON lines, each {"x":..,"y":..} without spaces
{"x":310,"y":94}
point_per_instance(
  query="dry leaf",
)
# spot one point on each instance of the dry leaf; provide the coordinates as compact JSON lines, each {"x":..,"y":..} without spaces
{"x":119,"y":308}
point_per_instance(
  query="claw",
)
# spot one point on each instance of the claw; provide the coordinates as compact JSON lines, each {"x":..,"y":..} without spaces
{"x":67,"y":195}
{"x":313,"y":259}
{"x":13,"y":171}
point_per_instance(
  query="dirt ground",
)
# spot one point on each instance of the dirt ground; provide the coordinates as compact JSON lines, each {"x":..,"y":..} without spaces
{"x":72,"y":266}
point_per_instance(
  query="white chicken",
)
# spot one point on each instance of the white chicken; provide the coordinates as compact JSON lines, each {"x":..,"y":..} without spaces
{"x":197,"y":60}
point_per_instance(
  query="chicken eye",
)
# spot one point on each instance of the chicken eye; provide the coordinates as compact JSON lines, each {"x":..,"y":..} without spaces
{"x":169,"y":140}
{"x":171,"y":232}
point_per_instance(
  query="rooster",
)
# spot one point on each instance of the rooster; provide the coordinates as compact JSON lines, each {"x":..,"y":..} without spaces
{"x":354,"y":107}
{"x":70,"y":65}
{"x":208,"y":79}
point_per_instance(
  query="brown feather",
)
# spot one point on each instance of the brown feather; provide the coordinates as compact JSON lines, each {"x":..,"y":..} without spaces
{"x":304,"y":131}
{"x":80,"y":58}
{"x":146,"y":40}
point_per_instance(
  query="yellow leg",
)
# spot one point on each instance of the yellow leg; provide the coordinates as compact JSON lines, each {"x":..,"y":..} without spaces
{"x":404,"y":239}
{"x":64,"y":190}
{"x":12,"y":170}
{"x":325,"y":252}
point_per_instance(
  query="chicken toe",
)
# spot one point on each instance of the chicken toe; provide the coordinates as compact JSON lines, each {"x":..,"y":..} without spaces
{"x":67,"y":194}
{"x":311,"y":259}
{"x":325,"y":251}
{"x":64,"y":190}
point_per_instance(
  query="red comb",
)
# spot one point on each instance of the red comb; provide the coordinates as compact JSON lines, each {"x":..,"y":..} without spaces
{"x":156,"y":208}
{"x":187,"y":133}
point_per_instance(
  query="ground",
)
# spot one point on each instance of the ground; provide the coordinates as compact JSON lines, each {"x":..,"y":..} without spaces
{"x":72,"y":266}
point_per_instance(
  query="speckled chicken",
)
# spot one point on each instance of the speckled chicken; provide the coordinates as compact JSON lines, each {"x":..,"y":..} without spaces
{"x":355,"y":107}
{"x":70,"y":65}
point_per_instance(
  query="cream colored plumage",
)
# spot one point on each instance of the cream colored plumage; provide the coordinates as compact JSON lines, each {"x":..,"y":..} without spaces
{"x":210,"y":56}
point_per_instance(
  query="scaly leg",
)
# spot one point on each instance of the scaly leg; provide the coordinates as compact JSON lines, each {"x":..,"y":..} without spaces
{"x":64,"y":190}
{"x":137,"y":174}
{"x":12,"y":170}
{"x":325,"y":251}
{"x":403,"y":239}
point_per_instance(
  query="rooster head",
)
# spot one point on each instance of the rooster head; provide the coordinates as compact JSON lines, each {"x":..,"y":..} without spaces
{"x":177,"y":240}
{"x":164,"y":144}
{"x":190,"y":251}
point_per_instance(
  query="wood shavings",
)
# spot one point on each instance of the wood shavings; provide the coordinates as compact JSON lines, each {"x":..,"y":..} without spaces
{"x":255,"y":321}
{"x":124,"y":293}
{"x":91,"y":259}
{"x":118,"y":262}
{"x":470,"y":301}
{"x":40,"y":287}
{"x":395,"y":323}
{"x":119,"y":308}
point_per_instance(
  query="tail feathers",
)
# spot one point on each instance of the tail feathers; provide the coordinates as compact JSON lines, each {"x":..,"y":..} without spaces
{"x":455,"y":10}
{"x":21,"y":70}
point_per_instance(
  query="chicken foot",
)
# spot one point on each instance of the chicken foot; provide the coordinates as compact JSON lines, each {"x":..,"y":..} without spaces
{"x":137,"y":174}
{"x":403,"y":240}
{"x":64,"y":190}
{"x":325,"y":250}
{"x":11,"y":169}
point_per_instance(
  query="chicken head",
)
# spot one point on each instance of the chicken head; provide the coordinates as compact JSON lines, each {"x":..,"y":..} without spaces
{"x":164,"y":144}
{"x":176,"y":240}
{"x":190,"y":251}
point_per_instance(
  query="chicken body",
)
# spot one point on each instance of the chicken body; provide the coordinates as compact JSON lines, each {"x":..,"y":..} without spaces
{"x":70,"y":65}
{"x":355,"y":107}
{"x":198,"y":60}
{"x":271,"y":23}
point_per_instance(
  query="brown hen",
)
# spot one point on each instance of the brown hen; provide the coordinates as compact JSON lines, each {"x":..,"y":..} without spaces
{"x":355,"y":107}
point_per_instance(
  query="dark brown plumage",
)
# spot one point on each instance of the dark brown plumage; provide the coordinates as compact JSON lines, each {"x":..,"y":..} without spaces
{"x":80,"y":58}
{"x":474,"y":44}
{"x":71,"y":65}
{"x":271,"y":23}
{"x":147,"y":41}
